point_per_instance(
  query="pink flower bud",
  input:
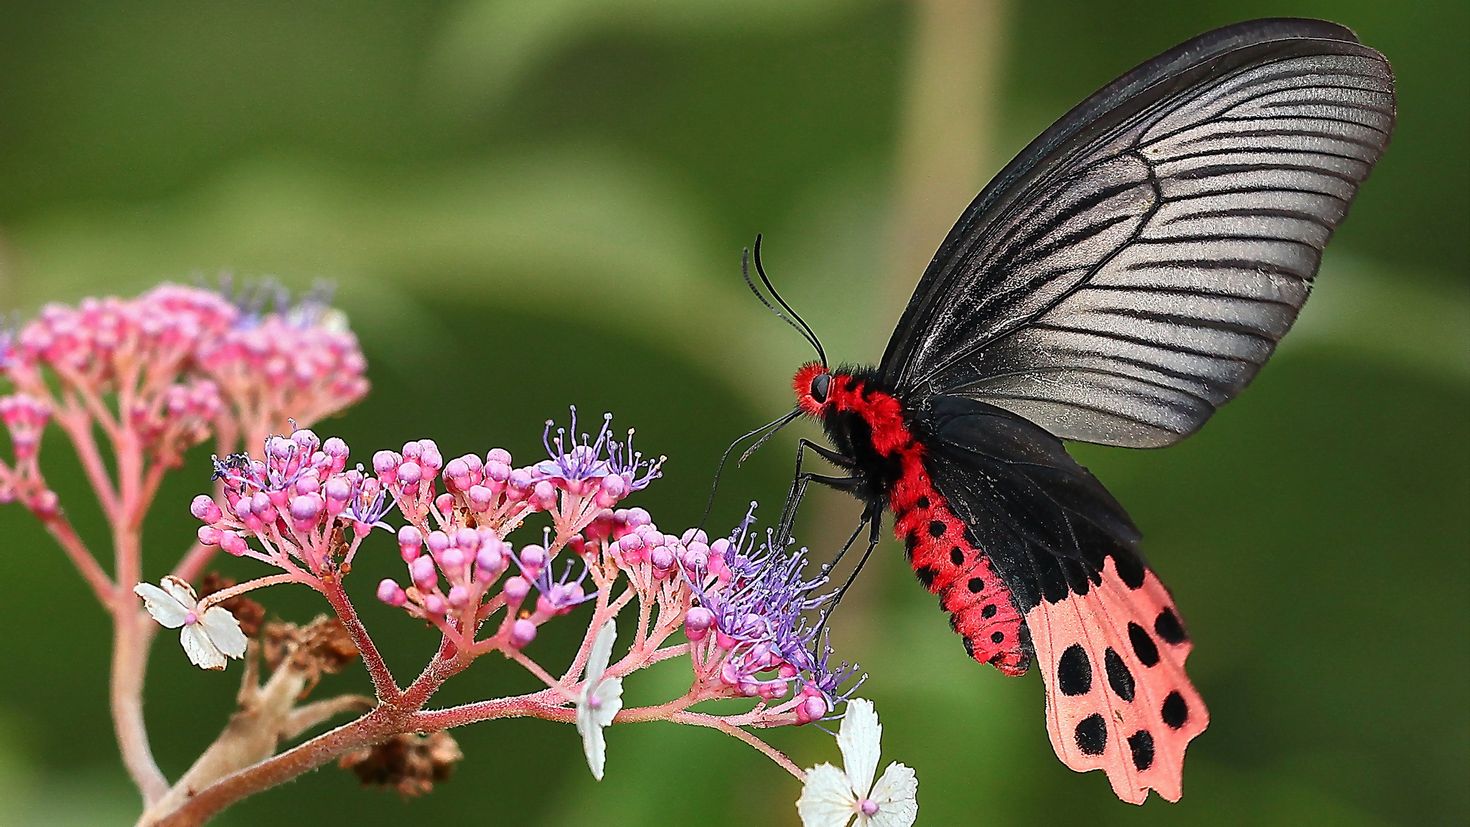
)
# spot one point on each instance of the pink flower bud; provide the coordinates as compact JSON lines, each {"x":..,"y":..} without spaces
{"x":467,"y":539}
{"x":409,"y":543}
{"x":814,"y":708}
{"x":233,"y":543}
{"x":515,"y":590}
{"x":522,"y":632}
{"x":392,"y":593}
{"x":697,"y":623}
{"x":543,"y":496}
{"x":306,"y":508}
{"x":204,"y":508}
{"x":459,"y":597}
{"x":425,"y":576}
{"x":338,"y":489}
{"x":480,"y":498}
{"x":452,"y":561}
{"x":434,"y":604}
{"x":385,"y":464}
{"x":409,"y":473}
{"x":533,"y":559}
{"x":445,"y":503}
{"x":488,"y":564}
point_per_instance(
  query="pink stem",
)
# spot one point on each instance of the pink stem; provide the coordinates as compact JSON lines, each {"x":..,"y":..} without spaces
{"x":129,"y":647}
{"x":78,"y":428}
{"x":715,"y":722}
{"x":216,"y":598}
{"x":91,"y":571}
{"x":384,"y":684}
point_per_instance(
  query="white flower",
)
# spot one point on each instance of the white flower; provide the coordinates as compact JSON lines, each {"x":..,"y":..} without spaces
{"x":600,"y":699}
{"x":831,"y":797}
{"x":207,"y":638}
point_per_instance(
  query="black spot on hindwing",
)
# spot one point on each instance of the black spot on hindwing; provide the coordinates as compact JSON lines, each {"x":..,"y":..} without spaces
{"x":1141,"y":744}
{"x":1119,"y":677}
{"x":1168,"y":627}
{"x":1175,"y":711}
{"x":1143,"y":645}
{"x":1130,"y":569}
{"x":1074,"y":671}
{"x":1092,"y":734}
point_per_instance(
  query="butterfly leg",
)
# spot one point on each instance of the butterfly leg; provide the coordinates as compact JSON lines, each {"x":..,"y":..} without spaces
{"x":802,"y":479}
{"x":873,"y":521}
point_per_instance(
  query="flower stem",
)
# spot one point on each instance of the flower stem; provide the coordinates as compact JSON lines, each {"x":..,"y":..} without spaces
{"x":384,"y":684}
{"x":91,"y":571}
{"x":129,"y":650}
{"x":716,"y":722}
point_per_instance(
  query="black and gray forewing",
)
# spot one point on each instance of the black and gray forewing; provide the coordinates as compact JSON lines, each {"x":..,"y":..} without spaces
{"x":1132,"y":269}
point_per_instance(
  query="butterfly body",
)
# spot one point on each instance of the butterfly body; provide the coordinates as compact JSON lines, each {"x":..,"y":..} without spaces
{"x":1122,"y":278}
{"x":874,"y":427}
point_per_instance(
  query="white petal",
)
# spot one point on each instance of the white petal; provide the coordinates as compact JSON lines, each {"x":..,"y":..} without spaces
{"x":162,"y":605}
{"x":201,"y":651}
{"x":593,"y":743}
{"x":181,"y":591}
{"x":896,"y":795}
{"x":826,"y":799}
{"x":601,"y":651}
{"x":858,"y":739}
{"x":224,"y":631}
{"x":609,"y":696}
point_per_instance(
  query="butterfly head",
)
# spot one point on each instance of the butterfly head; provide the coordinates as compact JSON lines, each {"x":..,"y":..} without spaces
{"x":813,"y":386}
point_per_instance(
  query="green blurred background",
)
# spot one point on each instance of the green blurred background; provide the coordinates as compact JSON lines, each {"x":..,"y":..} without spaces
{"x":526,"y":205}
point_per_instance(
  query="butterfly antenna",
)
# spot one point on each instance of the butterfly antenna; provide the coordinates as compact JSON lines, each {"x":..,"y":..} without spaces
{"x":774,"y":425}
{"x":806,"y":329}
{"x":797,"y":323}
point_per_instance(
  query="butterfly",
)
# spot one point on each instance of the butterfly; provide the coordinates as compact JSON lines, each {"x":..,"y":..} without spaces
{"x":1123,"y":277}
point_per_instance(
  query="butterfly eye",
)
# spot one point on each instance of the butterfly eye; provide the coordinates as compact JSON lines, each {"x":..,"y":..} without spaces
{"x":820,"y":385}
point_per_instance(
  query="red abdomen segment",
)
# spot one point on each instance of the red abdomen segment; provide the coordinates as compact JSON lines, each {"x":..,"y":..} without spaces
{"x":944,"y":558}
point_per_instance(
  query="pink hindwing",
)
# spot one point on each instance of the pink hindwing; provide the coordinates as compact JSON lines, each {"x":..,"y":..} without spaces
{"x":1117,"y":697}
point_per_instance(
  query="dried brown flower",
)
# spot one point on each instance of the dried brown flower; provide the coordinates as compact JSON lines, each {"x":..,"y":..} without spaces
{"x":409,"y":763}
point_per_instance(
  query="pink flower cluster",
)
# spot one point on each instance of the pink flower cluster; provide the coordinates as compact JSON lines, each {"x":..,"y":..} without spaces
{"x":25,"y":417}
{"x":459,"y":513}
{"x":183,"y":362}
{"x":305,"y":510}
{"x":299,"y":361}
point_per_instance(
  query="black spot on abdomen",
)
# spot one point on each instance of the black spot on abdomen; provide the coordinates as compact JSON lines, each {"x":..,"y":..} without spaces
{"x":936,"y":528}
{"x":926,"y":575}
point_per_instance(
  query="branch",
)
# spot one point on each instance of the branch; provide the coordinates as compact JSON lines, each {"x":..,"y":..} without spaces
{"x":87,"y":565}
{"x":129,"y":647}
{"x":384,"y":683}
{"x":716,"y":722}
